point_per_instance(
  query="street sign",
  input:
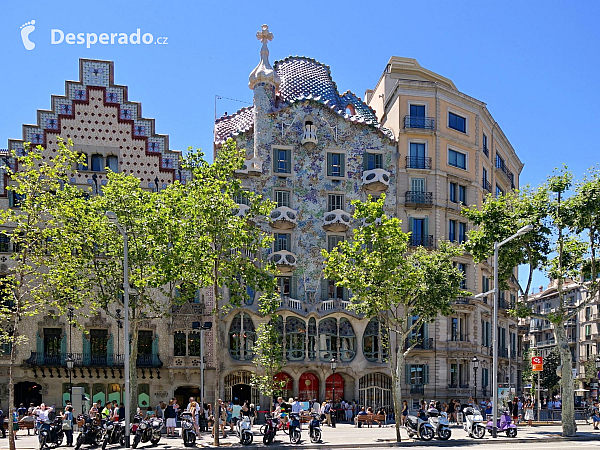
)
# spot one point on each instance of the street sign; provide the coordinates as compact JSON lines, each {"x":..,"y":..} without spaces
{"x":537,"y":364}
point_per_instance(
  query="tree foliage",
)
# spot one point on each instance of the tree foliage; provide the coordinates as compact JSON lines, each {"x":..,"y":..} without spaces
{"x":403,"y":289}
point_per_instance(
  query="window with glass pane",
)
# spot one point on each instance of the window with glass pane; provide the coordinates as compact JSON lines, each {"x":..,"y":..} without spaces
{"x":328,"y":339}
{"x":484,"y":141}
{"x":282,"y":198}
{"x":283,"y":285}
{"x":452,"y":230}
{"x":463,"y":268}
{"x":335,"y":201}
{"x":112,"y":162}
{"x":335,"y":291}
{"x":462,"y":232}
{"x":295,"y":330}
{"x":242,"y":198}
{"x":417,"y":155}
{"x":455,"y":329}
{"x":484,"y":174}
{"x":457,"y":159}
{"x":454,"y":375}
{"x":462,"y":194}
{"x":194,"y":344}
{"x":335,"y":164}
{"x":499,"y":191}
{"x":282,"y":241}
{"x":453,"y":192}
{"x":457,"y":122}
{"x":333,"y":241}
{"x":144,"y":342}
{"x":416,"y":374}
{"x":499,"y":161}
{"x":4,"y":243}
{"x":179,"y":343}
{"x":371,"y":344}
{"x":373,"y":161}
{"x":417,"y":110}
{"x":282,"y":161}
{"x":84,"y":165}
{"x":52,"y":338}
{"x":97,"y":163}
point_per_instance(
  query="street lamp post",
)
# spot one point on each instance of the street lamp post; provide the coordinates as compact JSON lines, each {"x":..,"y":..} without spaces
{"x":70,"y":364}
{"x":120,"y":325}
{"x":475,"y":362}
{"x":112,"y":217}
{"x":495,"y":291}
{"x":204,"y":326}
{"x":69,"y":360}
{"x":333,"y":363}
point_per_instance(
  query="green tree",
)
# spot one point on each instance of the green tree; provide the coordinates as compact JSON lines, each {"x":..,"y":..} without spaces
{"x":549,"y":379}
{"x":403,"y":289}
{"x":564,"y":244}
{"x":233,"y":257}
{"x":42,"y":263}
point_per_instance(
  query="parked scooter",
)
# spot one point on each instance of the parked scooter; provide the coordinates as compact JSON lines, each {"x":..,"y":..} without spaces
{"x":439,"y":422}
{"x":91,"y":433}
{"x":244,"y":430}
{"x":504,"y":424}
{"x":473,"y":424}
{"x":115,"y":434}
{"x":295,"y":433}
{"x":419,"y":426}
{"x":188,"y":431}
{"x":270,"y":429}
{"x":51,"y":434}
{"x":314,"y":428}
{"x":147,"y":430}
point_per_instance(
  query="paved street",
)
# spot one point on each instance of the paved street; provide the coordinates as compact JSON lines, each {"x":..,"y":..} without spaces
{"x":347,"y":436}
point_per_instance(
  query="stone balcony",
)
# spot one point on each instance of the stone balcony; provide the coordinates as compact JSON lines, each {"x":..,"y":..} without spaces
{"x":251,"y":167}
{"x":284,"y":260}
{"x":376,"y":180}
{"x":337,"y":220}
{"x":283,"y":218}
{"x":241,"y":210}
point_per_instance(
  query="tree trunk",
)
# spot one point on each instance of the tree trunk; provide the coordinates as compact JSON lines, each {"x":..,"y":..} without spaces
{"x":216,"y":351}
{"x":133,"y":354}
{"x":397,"y":370}
{"x":11,"y":390}
{"x":567,"y":400}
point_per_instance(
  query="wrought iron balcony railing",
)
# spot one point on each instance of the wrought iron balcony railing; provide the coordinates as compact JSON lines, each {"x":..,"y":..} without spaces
{"x":486,"y":151}
{"x":503,"y":352}
{"x":417,"y":240}
{"x":427,"y":123}
{"x":418,"y":198}
{"x":487,"y":186}
{"x":89,"y":360}
{"x":418,"y":162}
{"x":417,"y":388}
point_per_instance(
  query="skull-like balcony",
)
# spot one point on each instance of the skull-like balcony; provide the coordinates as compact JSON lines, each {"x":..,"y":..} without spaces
{"x":309,"y":136}
{"x":337,"y":220}
{"x":284,"y":260}
{"x":376,"y":180}
{"x":252,"y":167}
{"x":283,"y":218}
{"x":241,"y":210}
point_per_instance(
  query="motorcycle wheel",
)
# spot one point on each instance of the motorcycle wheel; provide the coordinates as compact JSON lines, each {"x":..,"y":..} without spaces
{"x":105,"y":443}
{"x":79,"y":441}
{"x":426,"y":433}
{"x":478,"y":432}
{"x":511,"y":432}
{"x":136,"y":440}
{"x":155,"y":440}
{"x":315,"y":436}
{"x":263,"y":429}
{"x":247,"y":438}
{"x":445,"y":434}
{"x":295,"y":436}
{"x":43,"y":442}
{"x":286,"y":428}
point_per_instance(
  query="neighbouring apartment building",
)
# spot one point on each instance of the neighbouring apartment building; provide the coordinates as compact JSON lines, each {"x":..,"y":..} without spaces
{"x":110,"y":130}
{"x":430,"y":149}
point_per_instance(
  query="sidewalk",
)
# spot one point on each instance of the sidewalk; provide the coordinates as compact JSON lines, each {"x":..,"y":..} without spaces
{"x":347,"y":436}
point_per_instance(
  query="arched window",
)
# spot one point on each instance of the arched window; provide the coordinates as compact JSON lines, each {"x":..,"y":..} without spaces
{"x":312,"y":338}
{"x":179,"y":343}
{"x":328,"y":339}
{"x":375,"y":342}
{"x":97,"y":163}
{"x":85,"y":164}
{"x":295,"y":338}
{"x":242,"y":336}
{"x":347,"y":341}
{"x":375,"y":390}
{"x":194,"y":344}
{"x":112,"y":162}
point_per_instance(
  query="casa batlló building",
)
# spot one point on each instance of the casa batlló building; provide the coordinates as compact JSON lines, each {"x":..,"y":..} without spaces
{"x":312,"y":151}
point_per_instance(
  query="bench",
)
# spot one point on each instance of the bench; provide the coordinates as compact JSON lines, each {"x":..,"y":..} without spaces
{"x":369,"y":419}
{"x":29,"y":425}
{"x":305,"y":419}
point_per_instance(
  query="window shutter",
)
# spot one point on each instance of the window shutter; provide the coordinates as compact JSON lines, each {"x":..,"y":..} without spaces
{"x":425,"y":331}
{"x":343,"y":165}
{"x":288,"y":161}
{"x":426,"y":374}
{"x":110,"y":344}
{"x":87,"y":351}
{"x":426,"y":227}
{"x":275,"y":161}
{"x":40,"y":349}
{"x":155,"y":350}
{"x":324,"y":289}
{"x":407,"y":369}
{"x":329,"y":164}
{"x":294,"y":287}
{"x":63,"y":348}
{"x":410,"y":224}
{"x":365,"y":161}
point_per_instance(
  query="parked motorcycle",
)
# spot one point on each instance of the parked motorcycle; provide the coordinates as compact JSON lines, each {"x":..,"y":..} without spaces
{"x":295,"y":433}
{"x":473,"y":424}
{"x":314,"y":428}
{"x":504,"y":424}
{"x":91,"y":432}
{"x":115,"y":434}
{"x":148,"y":430}
{"x":439,"y":422}
{"x":419,"y":426}
{"x":188,"y":430}
{"x":51,"y":434}
{"x":270,"y":429}
{"x":243,"y":430}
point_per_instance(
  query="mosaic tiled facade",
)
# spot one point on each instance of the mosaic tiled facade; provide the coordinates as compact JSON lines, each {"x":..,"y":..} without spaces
{"x":111,"y":130}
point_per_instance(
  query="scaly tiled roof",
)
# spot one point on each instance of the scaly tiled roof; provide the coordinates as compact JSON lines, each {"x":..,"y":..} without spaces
{"x":302,"y":79}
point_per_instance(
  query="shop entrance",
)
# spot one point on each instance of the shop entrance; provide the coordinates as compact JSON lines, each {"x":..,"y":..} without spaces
{"x":27,"y":392}
{"x":183,"y":394}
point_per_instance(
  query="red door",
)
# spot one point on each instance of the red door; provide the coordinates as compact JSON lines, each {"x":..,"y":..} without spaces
{"x":309,"y":387}
{"x":339,"y":387}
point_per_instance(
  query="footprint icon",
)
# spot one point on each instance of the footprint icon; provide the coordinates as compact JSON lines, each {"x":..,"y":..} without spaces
{"x":26,"y":30}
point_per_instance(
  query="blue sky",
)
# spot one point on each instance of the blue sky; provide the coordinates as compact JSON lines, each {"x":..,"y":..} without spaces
{"x":535,"y":63}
